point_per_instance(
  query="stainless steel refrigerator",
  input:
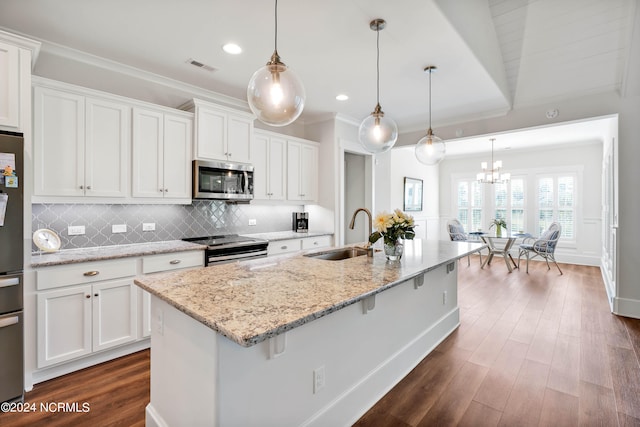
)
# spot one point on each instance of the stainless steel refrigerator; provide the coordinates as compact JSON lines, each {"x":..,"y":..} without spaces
{"x":11,"y":267}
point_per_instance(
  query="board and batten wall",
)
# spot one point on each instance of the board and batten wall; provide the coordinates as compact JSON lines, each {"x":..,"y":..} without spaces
{"x":584,"y":159}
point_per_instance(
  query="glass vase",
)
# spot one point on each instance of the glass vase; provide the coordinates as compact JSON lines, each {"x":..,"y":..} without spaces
{"x":393,"y":251}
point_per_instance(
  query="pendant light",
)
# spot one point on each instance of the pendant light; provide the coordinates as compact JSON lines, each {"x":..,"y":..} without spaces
{"x":377,"y":133}
{"x":275,"y":94}
{"x":430,"y":149}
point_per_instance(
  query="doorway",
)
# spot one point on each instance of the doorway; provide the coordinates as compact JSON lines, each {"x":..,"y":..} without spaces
{"x":357,"y":194}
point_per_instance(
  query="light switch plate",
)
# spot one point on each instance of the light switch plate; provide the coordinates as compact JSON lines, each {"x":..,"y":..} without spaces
{"x":252,"y":221}
{"x":148,"y":226}
{"x":119,"y":228}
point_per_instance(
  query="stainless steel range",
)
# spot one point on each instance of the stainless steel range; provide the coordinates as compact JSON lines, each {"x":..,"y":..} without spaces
{"x":230,"y":247}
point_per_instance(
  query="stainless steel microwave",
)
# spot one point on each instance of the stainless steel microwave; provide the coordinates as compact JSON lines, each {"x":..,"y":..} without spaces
{"x":222,"y":180}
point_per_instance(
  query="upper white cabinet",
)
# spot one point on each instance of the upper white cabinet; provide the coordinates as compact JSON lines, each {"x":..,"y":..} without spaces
{"x":81,"y":145}
{"x":269,"y":159}
{"x":221,"y":133}
{"x":16,"y":55}
{"x":9,"y":85}
{"x":302,"y":170}
{"x":161,"y":154}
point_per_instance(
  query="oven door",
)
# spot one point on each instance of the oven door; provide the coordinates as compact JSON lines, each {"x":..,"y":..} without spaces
{"x":222,"y":180}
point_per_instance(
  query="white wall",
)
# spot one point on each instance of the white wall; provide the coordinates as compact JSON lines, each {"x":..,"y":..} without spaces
{"x":404,"y":164}
{"x":584,"y":159}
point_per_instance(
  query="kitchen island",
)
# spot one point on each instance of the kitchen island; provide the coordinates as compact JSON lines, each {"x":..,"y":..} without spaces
{"x":295,"y":340}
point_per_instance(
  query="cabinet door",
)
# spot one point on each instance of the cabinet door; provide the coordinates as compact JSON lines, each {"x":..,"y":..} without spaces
{"x":9,"y":85}
{"x":64,"y":325}
{"x":58,"y":151}
{"x":148,"y":157}
{"x":238,"y":145}
{"x":177,"y":157}
{"x":106,"y":148}
{"x":114,"y":313}
{"x":260,"y":161}
{"x":211,"y":135}
{"x":277,"y":166}
{"x":309,"y":172}
{"x":294,"y":167}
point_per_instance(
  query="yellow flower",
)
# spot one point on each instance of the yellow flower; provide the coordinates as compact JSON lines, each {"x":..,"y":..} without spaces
{"x":382,"y":222}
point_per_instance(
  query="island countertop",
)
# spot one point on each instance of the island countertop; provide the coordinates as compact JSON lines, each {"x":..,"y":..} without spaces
{"x":251,"y":301}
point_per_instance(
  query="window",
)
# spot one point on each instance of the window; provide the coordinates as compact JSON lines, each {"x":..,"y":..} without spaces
{"x":510,"y":204}
{"x":469,"y":204}
{"x":557,"y":202}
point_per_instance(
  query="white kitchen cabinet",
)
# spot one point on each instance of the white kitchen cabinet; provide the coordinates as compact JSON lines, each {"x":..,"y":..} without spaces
{"x":269,"y":157}
{"x":16,"y":53}
{"x":277,"y":247}
{"x":9,"y":85}
{"x":316,"y":242}
{"x":161,"y":154}
{"x":76,"y":321}
{"x":221,"y":133}
{"x":81,"y":145}
{"x":302,"y":171}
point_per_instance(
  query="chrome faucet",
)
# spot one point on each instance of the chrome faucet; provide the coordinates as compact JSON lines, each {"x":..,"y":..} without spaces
{"x":367,"y":245}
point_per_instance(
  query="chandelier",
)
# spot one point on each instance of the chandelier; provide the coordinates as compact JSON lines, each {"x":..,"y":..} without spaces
{"x":493,"y":175}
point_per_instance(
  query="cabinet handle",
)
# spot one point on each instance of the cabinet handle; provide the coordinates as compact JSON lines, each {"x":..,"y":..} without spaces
{"x":229,"y":154}
{"x":87,"y":296}
{"x":315,"y":243}
{"x":91,"y":273}
{"x":88,"y":187}
{"x":283,"y":247}
{"x":95,"y":295}
{"x":161,"y":190}
{"x":175,"y":261}
{"x":82,"y":187}
{"x":166,"y":190}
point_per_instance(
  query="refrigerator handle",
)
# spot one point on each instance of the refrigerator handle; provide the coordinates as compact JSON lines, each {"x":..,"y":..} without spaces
{"x":8,"y":321}
{"x":4,"y":283}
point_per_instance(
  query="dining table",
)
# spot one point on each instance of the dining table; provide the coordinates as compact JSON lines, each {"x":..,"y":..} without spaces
{"x":500,"y":245}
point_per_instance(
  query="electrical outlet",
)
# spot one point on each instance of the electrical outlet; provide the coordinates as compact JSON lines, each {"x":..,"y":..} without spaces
{"x":148,"y":226}
{"x":119,"y":228}
{"x":319,"y":379}
{"x":75,"y":230}
{"x":252,"y":221}
{"x":444,"y":297}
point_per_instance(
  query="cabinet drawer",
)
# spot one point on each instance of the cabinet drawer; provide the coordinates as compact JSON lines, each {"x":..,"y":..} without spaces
{"x":172,"y":261}
{"x":284,"y":246}
{"x":86,"y":272}
{"x":316,"y":242}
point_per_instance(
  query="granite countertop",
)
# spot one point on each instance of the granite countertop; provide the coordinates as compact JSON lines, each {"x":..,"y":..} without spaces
{"x":71,"y":256}
{"x":284,"y":235}
{"x":251,"y":301}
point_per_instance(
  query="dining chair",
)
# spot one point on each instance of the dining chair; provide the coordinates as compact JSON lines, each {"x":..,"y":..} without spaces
{"x":457,"y":234}
{"x":544,"y":246}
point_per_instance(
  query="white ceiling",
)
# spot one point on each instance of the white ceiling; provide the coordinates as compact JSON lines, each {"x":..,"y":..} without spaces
{"x":492,"y":55}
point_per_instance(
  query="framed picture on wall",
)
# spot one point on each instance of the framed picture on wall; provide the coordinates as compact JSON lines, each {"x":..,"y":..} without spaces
{"x":412,"y":194}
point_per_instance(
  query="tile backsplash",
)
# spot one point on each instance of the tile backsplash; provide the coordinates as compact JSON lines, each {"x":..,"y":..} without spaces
{"x":173,"y":222}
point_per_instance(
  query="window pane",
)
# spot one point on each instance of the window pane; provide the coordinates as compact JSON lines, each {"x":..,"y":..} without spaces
{"x":463,"y":194}
{"x":545,"y":192}
{"x":501,"y":214}
{"x":565,"y":218}
{"x":565,"y":191}
{"x":463,"y":217}
{"x":501,"y":195}
{"x":545,"y":218}
{"x":517,"y":193}
{"x":476,"y":220}
{"x":517,"y":221}
{"x":476,"y":188}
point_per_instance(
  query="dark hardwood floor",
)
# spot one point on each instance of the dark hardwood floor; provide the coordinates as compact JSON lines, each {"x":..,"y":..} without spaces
{"x":539,"y":349}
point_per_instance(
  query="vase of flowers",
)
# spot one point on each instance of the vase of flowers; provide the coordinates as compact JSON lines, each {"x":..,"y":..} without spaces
{"x":393,"y":228}
{"x":499,"y":223}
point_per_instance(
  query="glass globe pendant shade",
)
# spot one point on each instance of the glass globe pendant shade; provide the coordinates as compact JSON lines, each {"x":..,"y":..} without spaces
{"x":430,"y":150}
{"x":377,"y":133}
{"x":276,"y":94}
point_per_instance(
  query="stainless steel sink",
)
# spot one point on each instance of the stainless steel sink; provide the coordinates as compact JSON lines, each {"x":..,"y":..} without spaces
{"x":338,"y":254}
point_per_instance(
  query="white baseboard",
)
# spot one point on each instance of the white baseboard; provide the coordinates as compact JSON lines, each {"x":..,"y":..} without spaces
{"x":152,"y":418}
{"x":626,"y":307}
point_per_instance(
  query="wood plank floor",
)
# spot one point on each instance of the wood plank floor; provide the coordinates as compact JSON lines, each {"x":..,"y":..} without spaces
{"x":539,"y":349}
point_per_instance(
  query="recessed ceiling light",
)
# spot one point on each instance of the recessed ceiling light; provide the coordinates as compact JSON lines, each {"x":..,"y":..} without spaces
{"x":342,"y":97}
{"x":232,"y":48}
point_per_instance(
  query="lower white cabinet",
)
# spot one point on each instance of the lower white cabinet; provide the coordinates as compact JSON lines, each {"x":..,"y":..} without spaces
{"x":85,"y":308}
{"x":76,"y":321}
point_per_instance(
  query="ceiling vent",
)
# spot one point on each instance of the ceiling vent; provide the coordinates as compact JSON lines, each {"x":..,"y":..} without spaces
{"x":201,"y":65}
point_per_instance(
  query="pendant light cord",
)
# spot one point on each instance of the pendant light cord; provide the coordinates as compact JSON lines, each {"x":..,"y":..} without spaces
{"x":378,"y":65}
{"x":275,"y":14}
{"x":430,"y":71}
